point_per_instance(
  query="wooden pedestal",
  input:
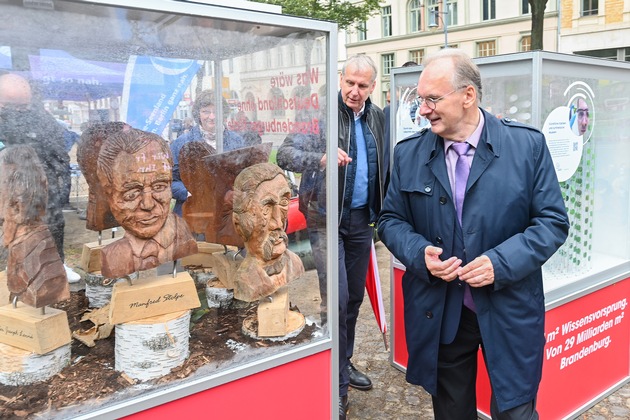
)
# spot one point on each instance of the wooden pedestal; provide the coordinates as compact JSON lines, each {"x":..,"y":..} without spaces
{"x":274,"y":321}
{"x":149,"y":297}
{"x":91,"y":255}
{"x":225,"y":266}
{"x":5,"y":295}
{"x":149,"y":348}
{"x":26,"y":328}
{"x":22,"y":367}
{"x":203,"y":258}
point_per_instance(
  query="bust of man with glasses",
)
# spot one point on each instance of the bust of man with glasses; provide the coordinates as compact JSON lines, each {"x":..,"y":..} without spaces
{"x":134,"y":168}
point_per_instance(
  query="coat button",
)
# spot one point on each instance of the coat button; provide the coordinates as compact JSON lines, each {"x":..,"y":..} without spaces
{"x":460,"y":283}
{"x":429,"y":314}
{"x":427,"y":189}
{"x":438,"y":240}
{"x":442,"y":200}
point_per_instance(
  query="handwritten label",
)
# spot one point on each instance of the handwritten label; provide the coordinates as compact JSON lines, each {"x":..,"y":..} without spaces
{"x":15,"y":332}
{"x":167,"y":297}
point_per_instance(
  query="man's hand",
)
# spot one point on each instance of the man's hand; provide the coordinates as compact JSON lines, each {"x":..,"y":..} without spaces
{"x":477,"y":273}
{"x":342,"y":159}
{"x":445,"y":270}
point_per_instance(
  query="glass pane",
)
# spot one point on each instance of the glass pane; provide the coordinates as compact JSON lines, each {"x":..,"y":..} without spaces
{"x":221,"y":95}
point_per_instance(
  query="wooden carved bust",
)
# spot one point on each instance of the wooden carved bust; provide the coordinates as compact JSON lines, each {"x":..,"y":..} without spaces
{"x":134,"y":169}
{"x":261,"y":205}
{"x":99,"y":216}
{"x":35,"y":272}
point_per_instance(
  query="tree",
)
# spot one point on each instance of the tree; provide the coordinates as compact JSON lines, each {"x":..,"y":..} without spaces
{"x":538,"y":17}
{"x":344,"y":13}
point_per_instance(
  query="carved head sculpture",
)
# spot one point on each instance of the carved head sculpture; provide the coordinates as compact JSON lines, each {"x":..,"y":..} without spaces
{"x":261,"y":203}
{"x":99,"y":216}
{"x":23,"y":190}
{"x":35,"y":273}
{"x":134,"y":168}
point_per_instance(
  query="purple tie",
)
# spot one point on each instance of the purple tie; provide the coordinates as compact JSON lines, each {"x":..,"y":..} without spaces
{"x":462,"y":169}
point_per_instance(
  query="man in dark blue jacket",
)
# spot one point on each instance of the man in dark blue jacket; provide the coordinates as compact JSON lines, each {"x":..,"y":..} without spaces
{"x":473,"y":276}
{"x":204,"y":113}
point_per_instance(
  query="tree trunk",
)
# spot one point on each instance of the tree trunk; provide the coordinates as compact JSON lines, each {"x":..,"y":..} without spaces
{"x":538,"y":16}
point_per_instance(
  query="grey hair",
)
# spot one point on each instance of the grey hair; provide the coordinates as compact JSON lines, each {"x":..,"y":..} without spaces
{"x":362,"y":62}
{"x":465,"y":72}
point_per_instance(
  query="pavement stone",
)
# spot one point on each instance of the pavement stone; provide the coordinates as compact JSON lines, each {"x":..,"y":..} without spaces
{"x":392,"y":398}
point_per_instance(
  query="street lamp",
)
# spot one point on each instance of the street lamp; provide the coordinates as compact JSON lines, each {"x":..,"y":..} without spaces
{"x":434,"y":24}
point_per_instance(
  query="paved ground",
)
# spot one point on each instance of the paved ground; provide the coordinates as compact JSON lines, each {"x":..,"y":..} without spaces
{"x":392,"y":398}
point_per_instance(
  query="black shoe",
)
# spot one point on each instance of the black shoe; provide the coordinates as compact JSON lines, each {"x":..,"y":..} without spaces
{"x":358,"y":380}
{"x":344,"y":406}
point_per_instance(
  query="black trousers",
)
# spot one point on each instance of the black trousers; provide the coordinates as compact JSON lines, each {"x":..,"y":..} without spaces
{"x":457,"y":372}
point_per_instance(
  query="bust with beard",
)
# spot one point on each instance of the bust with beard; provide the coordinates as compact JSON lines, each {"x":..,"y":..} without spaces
{"x":260,"y":207}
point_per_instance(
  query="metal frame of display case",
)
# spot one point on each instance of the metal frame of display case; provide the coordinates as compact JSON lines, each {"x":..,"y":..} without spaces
{"x":591,"y":290}
{"x":236,"y":20}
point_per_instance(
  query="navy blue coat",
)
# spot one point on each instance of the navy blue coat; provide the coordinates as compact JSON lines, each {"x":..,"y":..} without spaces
{"x":514,"y":214}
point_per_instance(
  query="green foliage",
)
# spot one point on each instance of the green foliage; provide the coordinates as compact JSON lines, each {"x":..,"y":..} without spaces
{"x":344,"y":13}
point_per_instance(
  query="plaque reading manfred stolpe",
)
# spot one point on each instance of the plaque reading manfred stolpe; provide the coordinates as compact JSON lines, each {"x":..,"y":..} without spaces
{"x":151,"y":297}
{"x":25,"y":327}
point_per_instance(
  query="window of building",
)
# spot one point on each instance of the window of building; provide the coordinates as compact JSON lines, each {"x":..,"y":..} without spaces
{"x":277,"y":98}
{"x":415,"y":16}
{"x":525,"y":7}
{"x":292,"y":57}
{"x":386,"y":16}
{"x":362,"y":31}
{"x":268,"y":59}
{"x":589,"y":7}
{"x":486,"y":48}
{"x":489,"y":9}
{"x":280,"y":57}
{"x":432,"y":13}
{"x":387,"y":62}
{"x":451,"y":12}
{"x":608,"y":53}
{"x":416,"y":56}
{"x":526,"y":43}
{"x":318,"y":55}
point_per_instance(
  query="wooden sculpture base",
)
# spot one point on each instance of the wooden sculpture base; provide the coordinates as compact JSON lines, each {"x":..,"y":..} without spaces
{"x":22,"y":367}
{"x":225,"y":267}
{"x":149,"y":348}
{"x":203,"y":258}
{"x":149,"y":297}
{"x":26,"y":328}
{"x":91,"y":255}
{"x":98,"y":289}
{"x":5,"y":295}
{"x":274,"y":321}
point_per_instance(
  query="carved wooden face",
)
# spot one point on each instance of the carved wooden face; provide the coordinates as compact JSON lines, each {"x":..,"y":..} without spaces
{"x":8,"y":212}
{"x":141,"y":191}
{"x":269,"y":208}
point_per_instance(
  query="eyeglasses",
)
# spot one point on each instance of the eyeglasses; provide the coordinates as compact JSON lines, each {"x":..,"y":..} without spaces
{"x":582,"y":113}
{"x":431,"y":103}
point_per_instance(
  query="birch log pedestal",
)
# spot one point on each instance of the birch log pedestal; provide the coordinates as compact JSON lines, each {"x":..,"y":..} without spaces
{"x":152,"y":318}
{"x":34,"y":346}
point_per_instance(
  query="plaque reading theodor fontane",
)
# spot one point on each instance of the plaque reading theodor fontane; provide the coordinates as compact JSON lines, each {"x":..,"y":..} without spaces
{"x":134,"y":169}
{"x":35,"y":273}
{"x":261,"y":203}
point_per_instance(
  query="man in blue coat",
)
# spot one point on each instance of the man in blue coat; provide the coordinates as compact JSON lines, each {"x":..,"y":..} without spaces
{"x":472,"y":279}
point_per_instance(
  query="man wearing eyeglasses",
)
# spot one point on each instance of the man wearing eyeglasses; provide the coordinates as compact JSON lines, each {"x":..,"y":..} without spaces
{"x":581,"y":119}
{"x":473,"y":211}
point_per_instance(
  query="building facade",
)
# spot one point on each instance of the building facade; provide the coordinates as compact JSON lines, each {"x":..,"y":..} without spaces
{"x":406,"y":30}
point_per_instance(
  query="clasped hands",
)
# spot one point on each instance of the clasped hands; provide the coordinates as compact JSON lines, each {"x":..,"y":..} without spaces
{"x":477,"y":273}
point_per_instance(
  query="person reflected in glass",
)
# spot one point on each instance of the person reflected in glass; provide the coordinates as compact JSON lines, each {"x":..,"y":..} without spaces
{"x":24,"y":120}
{"x":204,"y":113}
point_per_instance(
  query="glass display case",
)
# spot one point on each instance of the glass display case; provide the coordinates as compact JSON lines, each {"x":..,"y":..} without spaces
{"x":581,"y":105}
{"x":145,"y":63}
